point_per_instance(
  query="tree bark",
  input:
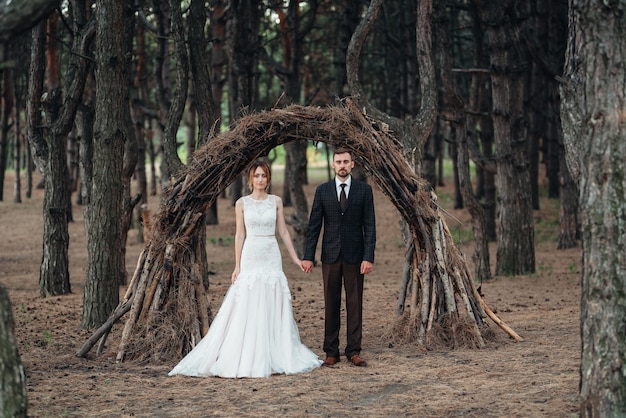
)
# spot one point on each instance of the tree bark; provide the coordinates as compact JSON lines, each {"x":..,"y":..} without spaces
{"x":5,"y":113}
{"x":141,"y":120}
{"x":242,"y":45}
{"x":208,"y":110}
{"x":293,"y":31}
{"x":569,"y":231}
{"x":84,"y":122}
{"x":19,"y":139}
{"x":217,"y":26}
{"x":463,"y":129}
{"x":131,"y":156}
{"x":593,"y":108}
{"x":54,"y":270}
{"x":177,"y":106}
{"x":12,"y":379}
{"x":482,"y":147}
{"x":104,"y":215}
{"x":516,"y":251}
{"x":48,"y":142}
{"x":294,"y":178}
{"x":412,"y":131}
{"x":54,"y":275}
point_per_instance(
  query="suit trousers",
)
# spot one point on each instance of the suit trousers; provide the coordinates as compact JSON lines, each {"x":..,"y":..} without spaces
{"x":333,"y":273}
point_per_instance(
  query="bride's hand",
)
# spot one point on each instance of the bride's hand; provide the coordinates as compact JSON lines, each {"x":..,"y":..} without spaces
{"x":234,"y":276}
{"x":298,"y":263}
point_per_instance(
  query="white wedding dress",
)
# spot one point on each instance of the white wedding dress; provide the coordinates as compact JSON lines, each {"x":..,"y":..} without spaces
{"x":254,"y":333}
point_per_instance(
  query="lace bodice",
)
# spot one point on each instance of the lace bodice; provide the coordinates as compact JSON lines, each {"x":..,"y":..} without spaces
{"x":260,"y":216}
{"x":260,"y":253}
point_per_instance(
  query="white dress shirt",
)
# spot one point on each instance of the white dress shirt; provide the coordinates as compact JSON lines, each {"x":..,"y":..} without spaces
{"x":347,"y":188}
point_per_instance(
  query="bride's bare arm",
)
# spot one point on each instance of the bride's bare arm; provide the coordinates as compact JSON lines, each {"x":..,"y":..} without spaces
{"x":240,"y":236}
{"x":281,"y":227}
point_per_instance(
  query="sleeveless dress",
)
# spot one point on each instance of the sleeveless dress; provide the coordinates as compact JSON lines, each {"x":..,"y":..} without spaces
{"x":254,"y":333}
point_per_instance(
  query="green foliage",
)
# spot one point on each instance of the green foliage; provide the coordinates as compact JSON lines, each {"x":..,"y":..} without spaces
{"x":46,"y":337}
{"x":546,"y":230}
{"x":546,"y":269}
{"x":461,"y":234}
{"x":24,"y":314}
{"x":548,"y":224}
{"x":222,"y":241}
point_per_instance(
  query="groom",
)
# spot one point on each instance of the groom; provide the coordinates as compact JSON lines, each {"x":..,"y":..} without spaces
{"x":345,"y":207}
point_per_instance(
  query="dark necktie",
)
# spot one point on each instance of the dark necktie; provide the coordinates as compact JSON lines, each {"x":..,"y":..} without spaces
{"x":343,"y":201}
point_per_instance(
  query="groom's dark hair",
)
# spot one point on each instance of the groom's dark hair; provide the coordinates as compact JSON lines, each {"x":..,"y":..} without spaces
{"x":341,"y":150}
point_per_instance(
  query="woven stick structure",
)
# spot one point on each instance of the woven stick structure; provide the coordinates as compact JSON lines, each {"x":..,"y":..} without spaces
{"x":166,"y":299}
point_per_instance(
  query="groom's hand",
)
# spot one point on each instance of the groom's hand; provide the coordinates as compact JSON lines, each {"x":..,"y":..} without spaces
{"x":307,"y":266}
{"x":366,"y":267}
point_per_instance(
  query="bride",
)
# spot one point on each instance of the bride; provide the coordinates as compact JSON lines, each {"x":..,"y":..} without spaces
{"x":254,"y":333}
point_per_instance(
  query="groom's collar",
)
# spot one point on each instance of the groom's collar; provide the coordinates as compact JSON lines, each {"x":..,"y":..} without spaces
{"x":348,"y":181}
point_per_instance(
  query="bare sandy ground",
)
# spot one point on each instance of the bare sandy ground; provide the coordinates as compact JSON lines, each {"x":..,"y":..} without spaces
{"x":534,"y":378}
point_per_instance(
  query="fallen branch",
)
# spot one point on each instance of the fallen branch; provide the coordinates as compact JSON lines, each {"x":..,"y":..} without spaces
{"x":498,"y":321}
{"x":106,"y":327}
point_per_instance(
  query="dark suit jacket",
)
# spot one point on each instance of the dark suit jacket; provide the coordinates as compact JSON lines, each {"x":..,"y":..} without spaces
{"x":352,"y":234}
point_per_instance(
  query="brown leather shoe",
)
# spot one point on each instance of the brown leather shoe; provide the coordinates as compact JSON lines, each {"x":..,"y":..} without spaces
{"x":358,"y":361}
{"x":330,"y":361}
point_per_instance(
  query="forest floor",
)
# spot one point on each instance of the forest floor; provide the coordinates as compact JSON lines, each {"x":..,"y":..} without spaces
{"x":537,"y":377}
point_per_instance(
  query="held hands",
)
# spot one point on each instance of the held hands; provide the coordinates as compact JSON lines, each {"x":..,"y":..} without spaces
{"x":299,"y":263}
{"x":307,"y":266}
{"x":366,"y":266}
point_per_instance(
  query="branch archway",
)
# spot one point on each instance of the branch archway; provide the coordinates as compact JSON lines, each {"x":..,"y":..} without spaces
{"x":166,"y":298}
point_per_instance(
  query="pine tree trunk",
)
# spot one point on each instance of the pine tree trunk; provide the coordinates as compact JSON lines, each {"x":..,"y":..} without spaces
{"x":6,"y":107}
{"x":49,"y":145}
{"x":593,"y":108}
{"x":17,"y":159}
{"x":463,"y":127}
{"x":47,"y":139}
{"x":85,"y":120}
{"x":54,"y":277}
{"x":299,"y":218}
{"x":131,"y":152}
{"x":569,"y":232}
{"x":104,"y":214}
{"x":12,"y":379}
{"x":218,"y":61}
{"x":480,"y":129}
{"x":516,"y":251}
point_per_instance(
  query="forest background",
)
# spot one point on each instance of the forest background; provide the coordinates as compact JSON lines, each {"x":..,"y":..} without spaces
{"x":104,"y":99}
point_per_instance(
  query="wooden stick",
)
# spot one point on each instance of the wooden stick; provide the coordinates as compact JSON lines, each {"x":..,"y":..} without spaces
{"x":135,"y":307}
{"x":423,"y":270}
{"x":498,"y":321}
{"x":131,"y":286}
{"x":440,"y":245}
{"x":468,"y":306}
{"x":106,"y":327}
{"x":406,"y":279}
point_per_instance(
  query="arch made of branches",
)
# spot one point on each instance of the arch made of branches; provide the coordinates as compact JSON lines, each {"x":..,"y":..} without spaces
{"x":166,"y":298}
